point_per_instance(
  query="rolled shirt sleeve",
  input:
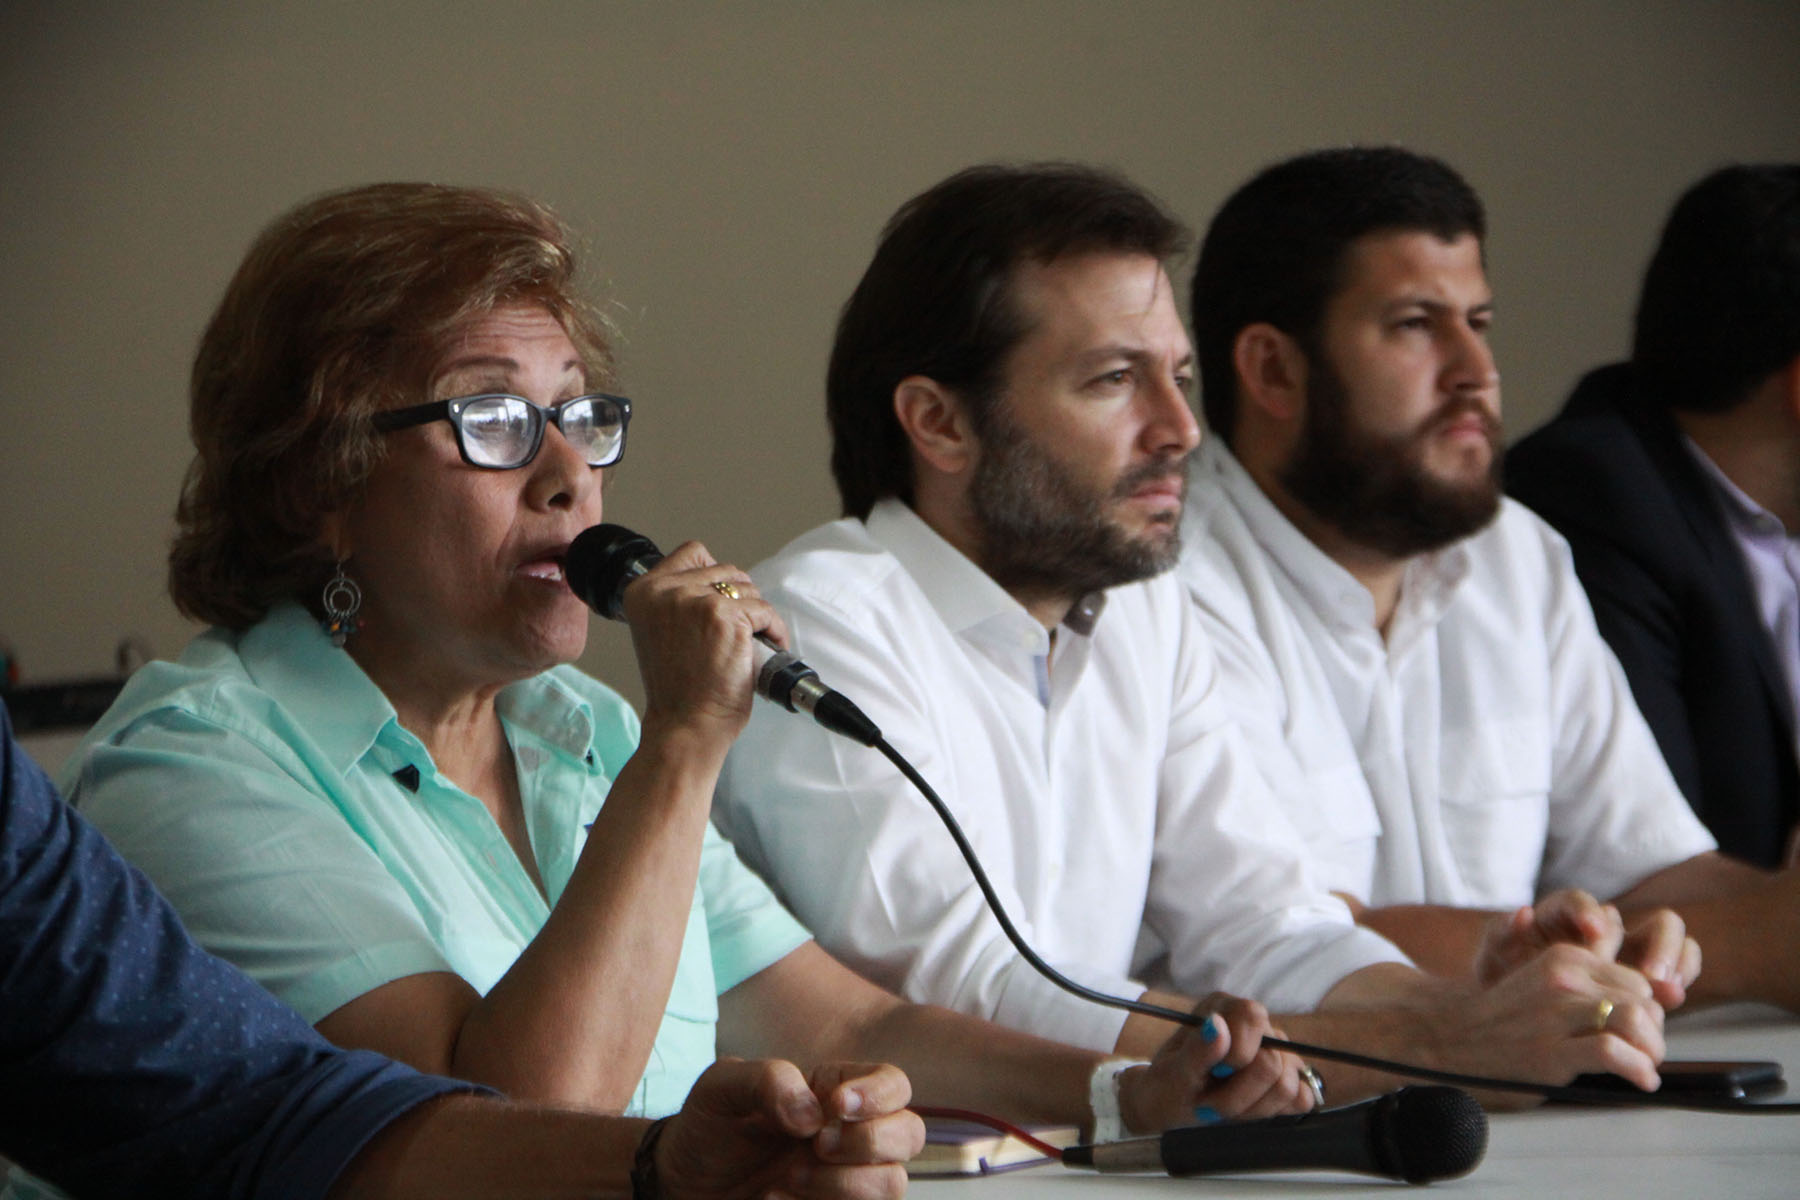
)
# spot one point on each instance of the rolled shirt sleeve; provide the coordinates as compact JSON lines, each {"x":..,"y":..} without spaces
{"x":1617,"y":815}
{"x":1234,"y":897}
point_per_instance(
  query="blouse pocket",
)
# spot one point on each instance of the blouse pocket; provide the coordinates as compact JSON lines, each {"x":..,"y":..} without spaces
{"x":686,"y":1041}
{"x":693,"y":996}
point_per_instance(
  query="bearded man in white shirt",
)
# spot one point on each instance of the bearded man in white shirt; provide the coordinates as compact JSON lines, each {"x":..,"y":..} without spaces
{"x":1009,"y":403}
{"x":1414,"y":663}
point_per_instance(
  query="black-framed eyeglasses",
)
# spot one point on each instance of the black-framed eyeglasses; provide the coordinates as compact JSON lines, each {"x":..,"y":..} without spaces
{"x":501,"y":431}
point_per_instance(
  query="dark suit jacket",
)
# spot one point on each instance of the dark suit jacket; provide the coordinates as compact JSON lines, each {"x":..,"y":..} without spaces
{"x":1674,"y":601}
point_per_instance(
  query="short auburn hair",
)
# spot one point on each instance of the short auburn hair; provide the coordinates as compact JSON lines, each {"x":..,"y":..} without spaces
{"x":342,"y":307}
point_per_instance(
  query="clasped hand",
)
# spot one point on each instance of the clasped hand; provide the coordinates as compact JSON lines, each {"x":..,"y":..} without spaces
{"x":1653,"y":942}
{"x":759,"y":1129}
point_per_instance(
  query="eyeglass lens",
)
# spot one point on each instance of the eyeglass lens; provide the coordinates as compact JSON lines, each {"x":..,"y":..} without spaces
{"x":505,"y":431}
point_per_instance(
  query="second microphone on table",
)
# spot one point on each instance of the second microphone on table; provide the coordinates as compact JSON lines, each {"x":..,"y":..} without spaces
{"x":605,"y":559}
{"x":1417,"y":1134}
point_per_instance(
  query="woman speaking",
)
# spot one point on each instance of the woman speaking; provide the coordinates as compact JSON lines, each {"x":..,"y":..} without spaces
{"x":377,"y":785}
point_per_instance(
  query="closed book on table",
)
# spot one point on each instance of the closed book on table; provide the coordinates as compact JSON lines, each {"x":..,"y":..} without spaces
{"x":955,"y":1147}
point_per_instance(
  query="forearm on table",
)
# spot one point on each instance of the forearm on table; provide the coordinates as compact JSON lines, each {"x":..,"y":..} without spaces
{"x":1440,"y":939}
{"x":1743,"y":918}
{"x":965,"y":1062}
{"x":1702,"y":878}
{"x":1361,"y":1014}
{"x":811,"y":1009}
{"x":1386,"y":1034}
{"x":1142,"y":1035}
{"x":1384,"y":1011}
{"x":465,"y":1146}
{"x":1565,"y":1011}
{"x":573,"y":1020}
{"x":1373,"y":1004}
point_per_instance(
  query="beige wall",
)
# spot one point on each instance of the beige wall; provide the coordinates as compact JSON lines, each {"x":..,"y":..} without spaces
{"x":731,"y":163}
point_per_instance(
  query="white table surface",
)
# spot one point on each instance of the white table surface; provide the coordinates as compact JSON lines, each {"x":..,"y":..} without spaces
{"x":1545,"y":1154}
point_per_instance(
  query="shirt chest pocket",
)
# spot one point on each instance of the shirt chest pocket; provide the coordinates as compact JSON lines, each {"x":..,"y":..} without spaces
{"x":1331,"y":809}
{"x":1495,"y":784}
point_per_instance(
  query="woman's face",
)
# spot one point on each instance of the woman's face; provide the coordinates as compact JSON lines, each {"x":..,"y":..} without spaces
{"x":461,"y":567}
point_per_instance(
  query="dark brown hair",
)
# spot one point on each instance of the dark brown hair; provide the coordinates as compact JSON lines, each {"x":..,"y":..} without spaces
{"x":936,"y":300}
{"x":1275,"y":250}
{"x":1720,"y":309}
{"x":341,"y":308}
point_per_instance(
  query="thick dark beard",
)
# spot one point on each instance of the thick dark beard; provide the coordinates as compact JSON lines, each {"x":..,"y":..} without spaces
{"x":1041,"y":531}
{"x":1373,"y":489}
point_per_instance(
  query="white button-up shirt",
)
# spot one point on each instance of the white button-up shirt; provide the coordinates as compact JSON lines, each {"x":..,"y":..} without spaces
{"x":1486,"y":751}
{"x":1103,"y":786}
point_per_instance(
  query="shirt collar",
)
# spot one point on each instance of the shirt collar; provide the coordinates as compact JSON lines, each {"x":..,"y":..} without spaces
{"x":291,"y":659}
{"x":547,"y":707}
{"x":344,"y":713}
{"x":964,"y":596}
{"x":1428,"y":585}
{"x":1747,"y":518}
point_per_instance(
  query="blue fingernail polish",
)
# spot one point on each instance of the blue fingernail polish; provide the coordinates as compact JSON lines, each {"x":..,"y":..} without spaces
{"x":1222,"y":1071}
{"x":1206,"y":1115}
{"x":1209,"y":1032}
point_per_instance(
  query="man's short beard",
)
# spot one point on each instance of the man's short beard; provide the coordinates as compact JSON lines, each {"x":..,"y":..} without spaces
{"x":1042,"y":531}
{"x":1375,"y":490}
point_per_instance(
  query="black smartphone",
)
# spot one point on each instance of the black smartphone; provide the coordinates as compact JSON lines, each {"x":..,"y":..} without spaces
{"x":1714,"y":1080}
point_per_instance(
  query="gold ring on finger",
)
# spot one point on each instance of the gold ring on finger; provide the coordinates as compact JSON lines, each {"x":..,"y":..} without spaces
{"x":1603,"y":1012}
{"x":725,"y":588}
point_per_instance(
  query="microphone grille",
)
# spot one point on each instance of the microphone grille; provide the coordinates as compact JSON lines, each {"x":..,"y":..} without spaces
{"x":600,"y":562}
{"x":1432,"y":1133}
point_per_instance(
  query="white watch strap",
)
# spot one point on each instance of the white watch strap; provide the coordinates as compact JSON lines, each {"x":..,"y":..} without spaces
{"x":1103,"y":1098}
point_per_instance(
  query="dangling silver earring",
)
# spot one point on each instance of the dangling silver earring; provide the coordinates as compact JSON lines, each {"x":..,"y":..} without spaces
{"x":342,"y":600}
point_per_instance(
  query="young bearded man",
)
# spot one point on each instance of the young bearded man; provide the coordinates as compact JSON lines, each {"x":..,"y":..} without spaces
{"x":1411,"y":656}
{"x":1009,"y":404}
{"x":1676,"y":478}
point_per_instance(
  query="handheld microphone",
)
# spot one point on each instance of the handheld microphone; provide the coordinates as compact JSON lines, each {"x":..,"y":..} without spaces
{"x":1417,"y":1134}
{"x":603,"y":561}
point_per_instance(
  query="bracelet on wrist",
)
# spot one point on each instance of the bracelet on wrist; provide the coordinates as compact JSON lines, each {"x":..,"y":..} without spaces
{"x":1103,"y":1098}
{"x":644,"y":1184}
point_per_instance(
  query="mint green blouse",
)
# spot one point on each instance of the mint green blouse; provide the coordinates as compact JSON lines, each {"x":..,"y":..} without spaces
{"x":264,"y":785}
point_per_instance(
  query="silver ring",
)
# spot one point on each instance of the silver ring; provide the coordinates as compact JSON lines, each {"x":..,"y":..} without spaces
{"x":1311,"y":1079}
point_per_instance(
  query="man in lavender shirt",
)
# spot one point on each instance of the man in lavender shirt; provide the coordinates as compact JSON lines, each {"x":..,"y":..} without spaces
{"x":1676,"y":479}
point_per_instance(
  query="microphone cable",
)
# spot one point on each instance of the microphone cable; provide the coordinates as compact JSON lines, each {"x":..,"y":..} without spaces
{"x":1000,"y":1125}
{"x":604,"y":560}
{"x":1570,"y":1094}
